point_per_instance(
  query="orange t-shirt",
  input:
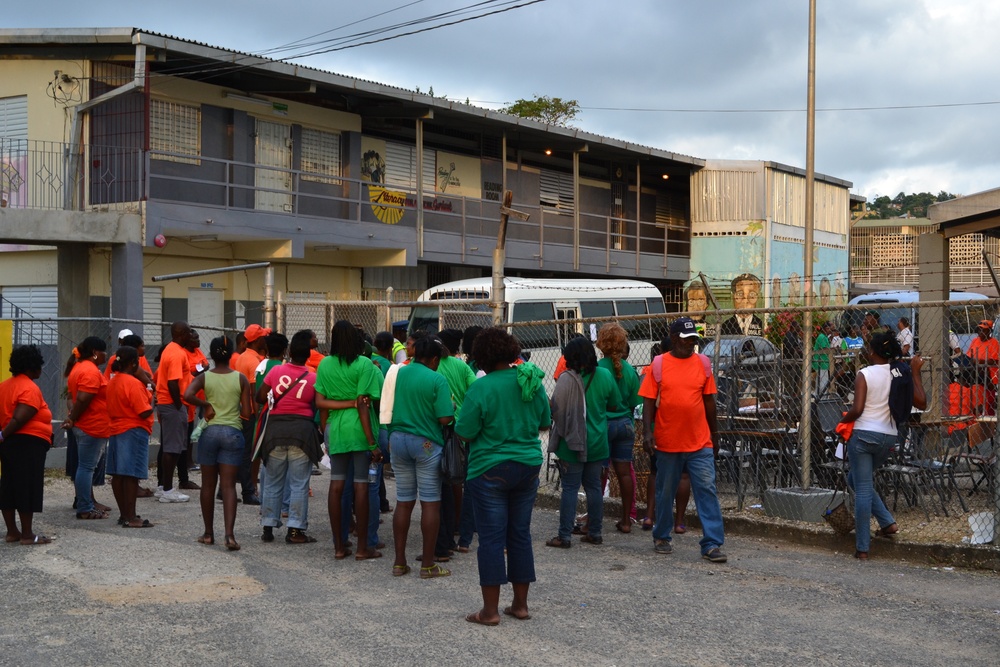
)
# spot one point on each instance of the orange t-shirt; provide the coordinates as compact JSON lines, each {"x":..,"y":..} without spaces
{"x":247,"y":364}
{"x":173,"y":366}
{"x":315,"y":356}
{"x":560,"y":368}
{"x":233,"y":358}
{"x":681,"y":423}
{"x":127,"y":399}
{"x":85,"y":376}
{"x":983,"y":351}
{"x":20,"y":389}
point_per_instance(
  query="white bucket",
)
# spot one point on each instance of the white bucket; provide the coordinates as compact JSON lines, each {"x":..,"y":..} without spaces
{"x":981,"y":524}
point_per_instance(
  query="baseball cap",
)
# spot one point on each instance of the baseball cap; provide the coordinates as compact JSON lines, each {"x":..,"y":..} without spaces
{"x":255,"y":331}
{"x":985,"y":324}
{"x":124,"y":332}
{"x":683,"y":327}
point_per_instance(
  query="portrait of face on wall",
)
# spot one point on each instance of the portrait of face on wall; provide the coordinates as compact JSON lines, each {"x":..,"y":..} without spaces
{"x":746,"y":289}
{"x":696,"y":300}
{"x":825,"y":292}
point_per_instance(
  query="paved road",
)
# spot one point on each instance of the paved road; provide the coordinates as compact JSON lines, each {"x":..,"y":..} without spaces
{"x":104,"y":595}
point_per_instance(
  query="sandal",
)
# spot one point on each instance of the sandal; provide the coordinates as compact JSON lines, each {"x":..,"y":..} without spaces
{"x":433,"y":572}
{"x":342,"y":555}
{"x":559,"y":543}
{"x":137,"y":522}
{"x":888,"y":531}
{"x":477,"y":618}
{"x":207,"y":539}
{"x":509,"y":611}
{"x":37,"y":539}
{"x":680,"y":529}
{"x":368,"y":555}
{"x":624,"y":528}
{"x":647,"y":524}
{"x":861,"y":555}
{"x":298,"y":536}
{"x":442,"y":559}
{"x":231,"y":543}
{"x":400,"y":570}
{"x":91,"y":515}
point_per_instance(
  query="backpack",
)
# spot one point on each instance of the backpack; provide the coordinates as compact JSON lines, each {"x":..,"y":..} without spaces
{"x":900,"y":392}
{"x":657,"y":370}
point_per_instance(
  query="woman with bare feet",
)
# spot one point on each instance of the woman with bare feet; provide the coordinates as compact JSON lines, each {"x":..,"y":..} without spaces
{"x":501,"y":417}
{"x":25,"y":438}
{"x":88,"y":418}
{"x":228,"y":400}
{"x":131,"y":413}
{"x":347,"y":384}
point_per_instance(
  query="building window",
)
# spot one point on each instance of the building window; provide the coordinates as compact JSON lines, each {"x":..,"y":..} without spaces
{"x":555,"y":190}
{"x":320,"y":156}
{"x":174,"y":129}
{"x":400,"y":166}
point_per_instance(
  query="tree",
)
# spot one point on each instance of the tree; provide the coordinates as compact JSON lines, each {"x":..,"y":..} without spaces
{"x":549,"y":110}
{"x":904,"y":205}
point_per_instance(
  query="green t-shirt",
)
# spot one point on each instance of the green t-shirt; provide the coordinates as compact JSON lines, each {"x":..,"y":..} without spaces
{"x":821,"y":358}
{"x":603,"y":398}
{"x":345,"y":382}
{"x":259,"y":377}
{"x":628,"y":387}
{"x":422,"y":396}
{"x":383,"y":364}
{"x":460,"y":377}
{"x":499,"y":426}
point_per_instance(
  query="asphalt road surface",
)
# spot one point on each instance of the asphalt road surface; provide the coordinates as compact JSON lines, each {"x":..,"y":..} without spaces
{"x":104,"y":595}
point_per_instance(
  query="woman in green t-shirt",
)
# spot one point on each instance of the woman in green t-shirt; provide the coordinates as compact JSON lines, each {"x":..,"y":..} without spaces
{"x":584,"y":396}
{"x":346,"y":385}
{"x":421,"y":406}
{"x":500,"y":419}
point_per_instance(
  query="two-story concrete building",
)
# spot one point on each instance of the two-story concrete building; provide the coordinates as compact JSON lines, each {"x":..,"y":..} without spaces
{"x":126,"y":154}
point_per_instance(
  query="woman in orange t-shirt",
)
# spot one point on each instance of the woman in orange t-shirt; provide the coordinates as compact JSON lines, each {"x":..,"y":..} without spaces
{"x":25,"y":438}
{"x":88,"y":418}
{"x":131,"y":415}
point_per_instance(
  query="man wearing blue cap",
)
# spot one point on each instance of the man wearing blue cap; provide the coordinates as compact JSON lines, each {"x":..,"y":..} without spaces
{"x":680,"y":429}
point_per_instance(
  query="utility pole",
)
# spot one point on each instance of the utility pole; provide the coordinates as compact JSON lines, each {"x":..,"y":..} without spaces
{"x":805,"y":423}
{"x":497,"y":294}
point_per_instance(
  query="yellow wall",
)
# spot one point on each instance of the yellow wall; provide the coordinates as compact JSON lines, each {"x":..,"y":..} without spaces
{"x":47,"y":119}
{"x":28,"y":267}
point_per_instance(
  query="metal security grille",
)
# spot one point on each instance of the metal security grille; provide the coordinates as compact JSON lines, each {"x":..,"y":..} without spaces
{"x":175,"y":128}
{"x":320,"y":156}
{"x":400,"y":170}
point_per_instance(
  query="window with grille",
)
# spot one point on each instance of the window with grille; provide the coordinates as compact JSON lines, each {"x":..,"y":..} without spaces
{"x":320,"y":156}
{"x":555,"y":190}
{"x":400,"y":166}
{"x":175,"y":128}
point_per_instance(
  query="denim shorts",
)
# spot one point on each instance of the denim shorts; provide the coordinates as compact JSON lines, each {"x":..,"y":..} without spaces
{"x":621,"y":438}
{"x":128,"y":454}
{"x":417,"y":464}
{"x":220,"y":445}
{"x":340,"y":463}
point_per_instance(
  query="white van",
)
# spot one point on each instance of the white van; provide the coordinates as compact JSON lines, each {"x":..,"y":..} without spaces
{"x":894,"y":304}
{"x":553,"y":301}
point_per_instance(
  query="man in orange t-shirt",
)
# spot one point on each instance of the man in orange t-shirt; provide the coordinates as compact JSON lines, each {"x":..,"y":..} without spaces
{"x":247,"y":364}
{"x":679,"y":426}
{"x":984,"y":351}
{"x":173,"y":375}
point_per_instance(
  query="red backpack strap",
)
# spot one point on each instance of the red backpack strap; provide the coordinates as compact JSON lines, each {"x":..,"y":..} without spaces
{"x":706,"y":364}
{"x":657,"y":368}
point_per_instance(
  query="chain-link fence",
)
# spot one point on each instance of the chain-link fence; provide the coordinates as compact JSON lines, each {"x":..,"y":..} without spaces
{"x":781,"y":458}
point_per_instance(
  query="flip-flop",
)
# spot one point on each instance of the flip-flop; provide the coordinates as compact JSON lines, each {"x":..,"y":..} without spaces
{"x":10,"y":539}
{"x":475,"y":618}
{"x":400,"y":570}
{"x":680,"y":529}
{"x":342,"y":556}
{"x":92,"y":515}
{"x":508,"y":611}
{"x":207,"y":539}
{"x":647,"y":524}
{"x":143,"y":523}
{"x":38,"y":539}
{"x":372,"y":553}
{"x":623,"y":528}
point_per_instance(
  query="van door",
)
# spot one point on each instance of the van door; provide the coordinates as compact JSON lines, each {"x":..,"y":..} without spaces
{"x":563,"y":313}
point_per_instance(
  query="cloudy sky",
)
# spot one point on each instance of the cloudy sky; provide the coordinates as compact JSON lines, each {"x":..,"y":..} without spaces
{"x":907,"y":89}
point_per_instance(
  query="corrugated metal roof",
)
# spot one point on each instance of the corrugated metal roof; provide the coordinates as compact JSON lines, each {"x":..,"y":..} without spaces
{"x":202,"y":49}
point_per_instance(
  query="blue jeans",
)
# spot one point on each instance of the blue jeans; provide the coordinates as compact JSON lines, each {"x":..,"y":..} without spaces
{"x":867,"y":451}
{"x":700,"y":467}
{"x":572,"y":475}
{"x":287,"y":466}
{"x":89,"y":451}
{"x":466,"y":520}
{"x":621,"y":438}
{"x":417,"y":464}
{"x":504,"y":497}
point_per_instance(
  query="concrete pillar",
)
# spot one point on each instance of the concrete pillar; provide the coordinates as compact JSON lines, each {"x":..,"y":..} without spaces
{"x":126,"y":285}
{"x":73,"y":270}
{"x":932,"y":250}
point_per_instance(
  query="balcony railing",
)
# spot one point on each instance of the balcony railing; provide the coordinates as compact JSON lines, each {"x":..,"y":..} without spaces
{"x":47,"y":175}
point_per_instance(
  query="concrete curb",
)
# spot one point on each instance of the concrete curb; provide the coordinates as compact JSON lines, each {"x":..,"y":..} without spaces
{"x":978,"y":558}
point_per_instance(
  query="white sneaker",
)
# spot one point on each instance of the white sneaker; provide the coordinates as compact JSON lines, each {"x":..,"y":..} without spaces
{"x":174,"y":496}
{"x":159,"y":492}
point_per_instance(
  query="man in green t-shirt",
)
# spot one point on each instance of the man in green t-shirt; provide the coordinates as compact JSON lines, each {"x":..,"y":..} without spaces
{"x":821,"y":357}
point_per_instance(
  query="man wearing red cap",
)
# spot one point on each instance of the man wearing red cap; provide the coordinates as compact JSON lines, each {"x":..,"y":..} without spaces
{"x":985,"y":354}
{"x":247,"y":364}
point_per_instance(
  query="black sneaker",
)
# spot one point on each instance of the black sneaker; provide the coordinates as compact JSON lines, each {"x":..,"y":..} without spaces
{"x":715,"y":555}
{"x":251,"y":499}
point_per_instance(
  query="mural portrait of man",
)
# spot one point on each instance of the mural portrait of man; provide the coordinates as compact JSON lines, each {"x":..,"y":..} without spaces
{"x":696,"y":302}
{"x":746,"y":291}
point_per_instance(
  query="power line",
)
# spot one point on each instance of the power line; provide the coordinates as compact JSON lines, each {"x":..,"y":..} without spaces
{"x":747,"y":111}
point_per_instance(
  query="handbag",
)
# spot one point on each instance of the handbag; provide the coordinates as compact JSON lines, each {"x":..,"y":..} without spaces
{"x":840,"y":518}
{"x":454,"y":458}
{"x":262,"y":419}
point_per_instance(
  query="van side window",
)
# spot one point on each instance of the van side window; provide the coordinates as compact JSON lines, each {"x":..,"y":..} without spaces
{"x":597,"y":309}
{"x":637,"y":329}
{"x":536,"y":335}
